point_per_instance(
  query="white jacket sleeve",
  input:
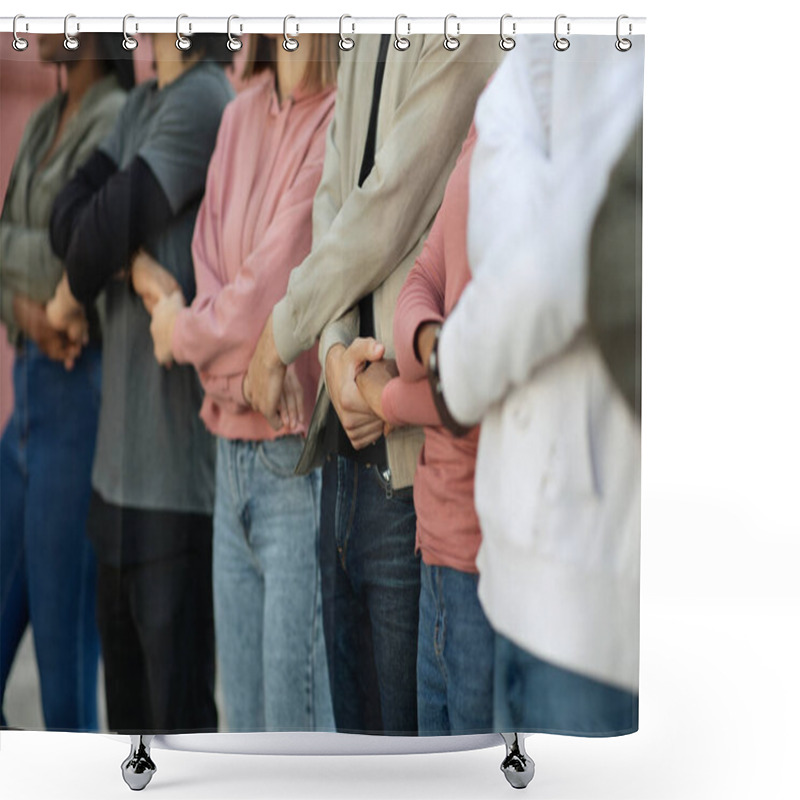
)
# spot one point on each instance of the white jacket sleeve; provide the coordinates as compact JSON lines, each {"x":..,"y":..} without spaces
{"x":539,"y":172}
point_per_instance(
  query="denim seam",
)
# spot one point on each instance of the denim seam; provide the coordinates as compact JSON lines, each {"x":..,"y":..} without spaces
{"x":81,"y":638}
{"x":229,"y":469}
{"x":441,"y":623}
{"x":347,"y":528}
{"x":310,"y":720}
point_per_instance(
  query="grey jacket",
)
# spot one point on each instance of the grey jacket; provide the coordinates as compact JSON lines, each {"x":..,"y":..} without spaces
{"x":365,"y":240}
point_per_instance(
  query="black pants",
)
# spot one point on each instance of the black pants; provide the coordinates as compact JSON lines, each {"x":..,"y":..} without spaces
{"x":155,"y":618}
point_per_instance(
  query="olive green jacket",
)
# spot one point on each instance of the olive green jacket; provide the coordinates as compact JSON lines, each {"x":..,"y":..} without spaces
{"x":28,"y":265}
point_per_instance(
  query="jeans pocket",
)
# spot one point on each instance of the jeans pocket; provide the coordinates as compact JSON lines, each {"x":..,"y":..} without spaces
{"x":280,"y":456}
{"x":404,"y":495}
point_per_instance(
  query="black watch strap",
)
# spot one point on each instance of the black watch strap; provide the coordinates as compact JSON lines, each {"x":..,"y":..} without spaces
{"x":456,"y":428}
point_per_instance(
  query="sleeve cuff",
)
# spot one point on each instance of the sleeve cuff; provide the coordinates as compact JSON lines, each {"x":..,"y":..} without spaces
{"x":282,"y":332}
{"x":454,"y":384}
{"x":388,"y":398}
{"x":411,"y":368}
{"x":179,"y":337}
{"x":342,"y":331}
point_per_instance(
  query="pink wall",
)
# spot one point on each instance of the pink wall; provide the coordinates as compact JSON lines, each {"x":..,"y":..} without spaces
{"x":25,"y":83}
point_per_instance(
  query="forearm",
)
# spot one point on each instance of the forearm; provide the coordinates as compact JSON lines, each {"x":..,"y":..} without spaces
{"x":225,"y":390}
{"x":221,"y":329}
{"x":340,"y":332}
{"x":526,"y":303}
{"x":407,"y":403}
{"x":419,"y":306}
{"x":380,"y":222}
{"x":110,"y":226}
{"x":72,"y":199}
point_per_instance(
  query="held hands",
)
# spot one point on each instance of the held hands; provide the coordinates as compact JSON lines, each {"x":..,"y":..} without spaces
{"x":151,"y":281}
{"x":164,"y":314}
{"x":263,"y":386}
{"x":290,"y":408}
{"x":66,"y":315}
{"x":32,"y":319}
{"x":342,"y":368}
{"x":371,"y":383}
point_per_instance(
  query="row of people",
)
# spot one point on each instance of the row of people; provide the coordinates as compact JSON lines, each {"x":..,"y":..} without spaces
{"x":342,"y":597}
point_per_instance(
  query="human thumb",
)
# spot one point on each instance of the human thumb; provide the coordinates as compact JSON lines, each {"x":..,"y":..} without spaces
{"x":366,"y":349}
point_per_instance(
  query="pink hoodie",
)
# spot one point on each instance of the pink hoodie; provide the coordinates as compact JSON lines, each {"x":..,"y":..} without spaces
{"x":253,"y":227}
{"x":448,"y":532}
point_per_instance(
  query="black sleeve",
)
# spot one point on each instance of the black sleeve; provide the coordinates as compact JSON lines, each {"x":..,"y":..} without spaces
{"x":102,"y":217}
{"x":71,"y":200}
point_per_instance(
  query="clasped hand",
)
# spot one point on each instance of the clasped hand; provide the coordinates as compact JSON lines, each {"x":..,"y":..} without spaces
{"x":63,"y":329}
{"x":265,"y":383}
{"x":162,"y":297}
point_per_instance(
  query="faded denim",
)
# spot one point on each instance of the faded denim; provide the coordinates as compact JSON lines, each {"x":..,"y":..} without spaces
{"x":267,"y":594}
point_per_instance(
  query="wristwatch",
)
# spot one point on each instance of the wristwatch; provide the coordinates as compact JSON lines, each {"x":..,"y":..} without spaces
{"x":456,"y":428}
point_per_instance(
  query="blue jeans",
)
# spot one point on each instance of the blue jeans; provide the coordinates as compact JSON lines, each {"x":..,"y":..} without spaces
{"x":455,"y":659}
{"x":371,"y":580}
{"x":47,"y":565}
{"x":267,"y":594}
{"x":536,"y":696}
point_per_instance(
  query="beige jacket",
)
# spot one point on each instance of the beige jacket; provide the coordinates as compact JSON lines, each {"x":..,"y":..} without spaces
{"x":366,"y":239}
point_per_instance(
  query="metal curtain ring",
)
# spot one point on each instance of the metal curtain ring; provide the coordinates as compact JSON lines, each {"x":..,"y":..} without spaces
{"x":345,"y":42}
{"x":507,"y":42}
{"x":623,"y":45}
{"x":400,"y":42}
{"x":128,"y":42}
{"x":19,"y":44}
{"x":290,"y":44}
{"x":70,"y":42}
{"x":451,"y":42}
{"x":561,"y":43}
{"x":234,"y":43}
{"x":182,"y":42}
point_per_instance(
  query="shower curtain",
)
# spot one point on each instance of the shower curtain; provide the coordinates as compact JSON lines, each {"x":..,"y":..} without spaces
{"x":321,"y":392}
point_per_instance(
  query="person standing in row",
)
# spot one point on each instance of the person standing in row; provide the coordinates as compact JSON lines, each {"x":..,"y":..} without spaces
{"x":47,"y":567}
{"x":254,"y":225}
{"x":153,"y":477}
{"x":389,"y":154}
{"x":455,"y":658}
{"x":557,"y":481}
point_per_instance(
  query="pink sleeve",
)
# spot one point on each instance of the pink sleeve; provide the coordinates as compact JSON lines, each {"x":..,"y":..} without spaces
{"x":205,"y":240}
{"x":421,"y":300}
{"x":220,"y":332}
{"x":407,"y":403}
{"x":225,"y":390}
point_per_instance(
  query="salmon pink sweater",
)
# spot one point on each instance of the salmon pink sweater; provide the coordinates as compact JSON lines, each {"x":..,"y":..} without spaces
{"x":253,"y":227}
{"x":448,"y":533}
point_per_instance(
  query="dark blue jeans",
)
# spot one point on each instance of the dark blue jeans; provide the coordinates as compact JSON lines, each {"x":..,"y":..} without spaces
{"x":370,"y":596}
{"x":455,"y":659}
{"x":536,"y":696}
{"x":47,"y":565}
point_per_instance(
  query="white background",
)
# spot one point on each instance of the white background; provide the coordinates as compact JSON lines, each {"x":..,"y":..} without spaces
{"x":720,"y":604}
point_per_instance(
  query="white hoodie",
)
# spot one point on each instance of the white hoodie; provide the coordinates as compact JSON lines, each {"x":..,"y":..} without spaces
{"x":557,"y":484}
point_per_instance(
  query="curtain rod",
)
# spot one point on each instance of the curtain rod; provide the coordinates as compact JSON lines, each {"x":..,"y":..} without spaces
{"x":349,"y":25}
